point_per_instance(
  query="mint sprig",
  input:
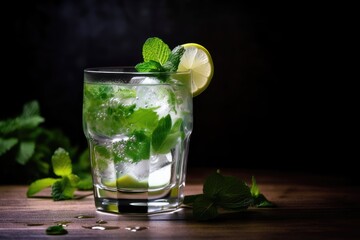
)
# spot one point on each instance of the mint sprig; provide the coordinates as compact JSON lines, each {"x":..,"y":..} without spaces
{"x":26,"y":147}
{"x":225,"y":193}
{"x":61,"y":188}
{"x":158,"y":57}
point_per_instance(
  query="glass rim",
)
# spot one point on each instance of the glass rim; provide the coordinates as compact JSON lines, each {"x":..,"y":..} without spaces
{"x":127,"y":70}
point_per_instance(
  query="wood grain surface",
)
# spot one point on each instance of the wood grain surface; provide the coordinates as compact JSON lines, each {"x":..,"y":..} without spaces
{"x":309,"y":206}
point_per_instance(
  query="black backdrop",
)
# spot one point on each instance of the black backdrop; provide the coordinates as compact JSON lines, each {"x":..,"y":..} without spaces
{"x":272,"y":102}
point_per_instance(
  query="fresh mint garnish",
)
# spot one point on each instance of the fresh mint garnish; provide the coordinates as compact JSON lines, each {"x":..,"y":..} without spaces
{"x":154,"y":49}
{"x":172,"y":64}
{"x":158,"y":57}
{"x":227,"y":193}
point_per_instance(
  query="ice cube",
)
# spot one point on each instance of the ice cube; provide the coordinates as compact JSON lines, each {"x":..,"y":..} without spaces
{"x":154,"y":96}
{"x":160,"y":170}
{"x":160,"y":161}
{"x":160,"y":177}
{"x":139,"y":170}
{"x":137,"y":80}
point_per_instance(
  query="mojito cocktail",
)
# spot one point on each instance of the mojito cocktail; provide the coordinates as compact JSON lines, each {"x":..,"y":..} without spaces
{"x":138,"y":123}
{"x":138,"y":127}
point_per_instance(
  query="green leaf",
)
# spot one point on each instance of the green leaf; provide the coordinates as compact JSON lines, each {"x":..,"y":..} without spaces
{"x":171,"y":65}
{"x":240,"y":204}
{"x":225,"y":192}
{"x":261,"y":202}
{"x":85,"y":182}
{"x":26,"y":150}
{"x":143,"y":118}
{"x":31,"y":109}
{"x":7,"y":144}
{"x":61,"y":162}
{"x":19,"y":123}
{"x":156,"y":50}
{"x":73,"y":180}
{"x":204,"y":208}
{"x":254,"y":188}
{"x":160,"y":133}
{"x":150,"y":66}
{"x":213,"y":185}
{"x":138,"y":147}
{"x":39,"y":185}
{"x":234,"y":193}
{"x":56,"y":230}
{"x":171,"y":139}
{"x":63,"y":189}
{"x":28,"y":119}
{"x":190,"y":199}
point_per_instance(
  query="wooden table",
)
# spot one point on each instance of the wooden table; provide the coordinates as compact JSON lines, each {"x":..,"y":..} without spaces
{"x":309,"y":206}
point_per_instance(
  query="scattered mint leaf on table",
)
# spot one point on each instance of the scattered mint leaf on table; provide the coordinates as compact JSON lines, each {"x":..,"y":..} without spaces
{"x":225,"y":192}
{"x":39,"y":185}
{"x":56,"y":230}
{"x":62,"y":188}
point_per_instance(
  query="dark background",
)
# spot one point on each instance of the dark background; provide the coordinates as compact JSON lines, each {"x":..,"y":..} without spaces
{"x":279,"y":98}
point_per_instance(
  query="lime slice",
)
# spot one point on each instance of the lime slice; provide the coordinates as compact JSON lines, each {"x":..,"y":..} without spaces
{"x":197,"y":59}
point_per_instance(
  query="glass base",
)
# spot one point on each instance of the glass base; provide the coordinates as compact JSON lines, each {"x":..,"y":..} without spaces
{"x":139,"y":203}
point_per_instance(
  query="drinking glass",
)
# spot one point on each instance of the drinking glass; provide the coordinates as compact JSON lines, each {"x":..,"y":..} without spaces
{"x":138,"y":128}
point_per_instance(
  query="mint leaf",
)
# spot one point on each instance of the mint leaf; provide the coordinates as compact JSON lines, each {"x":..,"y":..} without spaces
{"x":56,"y":230}
{"x":224,"y":192}
{"x":26,"y":150}
{"x":31,"y":109}
{"x":213,"y":185}
{"x":7,"y":144}
{"x":156,"y":50}
{"x":171,"y":139}
{"x":61,"y":162}
{"x":190,"y":199}
{"x":115,"y":121}
{"x":143,"y":118}
{"x":171,"y":65}
{"x":160,"y":133}
{"x":234,"y":194}
{"x":138,"y":148}
{"x":150,"y":66}
{"x":204,"y":208}
{"x":39,"y":185}
{"x":61,"y":188}
{"x":19,"y":123}
{"x":261,"y":202}
{"x":64,"y":189}
{"x":159,"y":58}
{"x":254,"y":188}
{"x":29,"y":118}
{"x":85,"y":182}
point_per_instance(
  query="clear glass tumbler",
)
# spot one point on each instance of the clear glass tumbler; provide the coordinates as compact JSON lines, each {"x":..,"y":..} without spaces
{"x":138,"y":128}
